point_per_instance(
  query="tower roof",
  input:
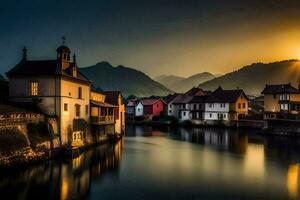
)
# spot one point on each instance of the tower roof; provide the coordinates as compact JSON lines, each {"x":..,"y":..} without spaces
{"x":63,"y":48}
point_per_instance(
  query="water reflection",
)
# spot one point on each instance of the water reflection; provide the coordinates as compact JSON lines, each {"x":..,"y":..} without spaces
{"x":199,"y":163}
{"x":69,"y":179}
{"x":240,"y":161}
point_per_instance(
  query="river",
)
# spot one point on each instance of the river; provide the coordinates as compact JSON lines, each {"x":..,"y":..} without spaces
{"x":199,"y":163}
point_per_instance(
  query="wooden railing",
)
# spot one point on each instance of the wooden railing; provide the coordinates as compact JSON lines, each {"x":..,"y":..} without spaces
{"x":102,"y":120}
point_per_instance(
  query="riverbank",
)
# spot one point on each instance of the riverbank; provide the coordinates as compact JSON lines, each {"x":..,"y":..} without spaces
{"x":27,"y":156}
{"x":253,"y":124}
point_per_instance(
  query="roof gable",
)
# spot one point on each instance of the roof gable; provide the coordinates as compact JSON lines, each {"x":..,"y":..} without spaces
{"x":279,"y":89}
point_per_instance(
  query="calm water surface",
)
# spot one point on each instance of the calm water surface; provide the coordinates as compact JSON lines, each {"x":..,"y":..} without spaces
{"x":168,"y":164}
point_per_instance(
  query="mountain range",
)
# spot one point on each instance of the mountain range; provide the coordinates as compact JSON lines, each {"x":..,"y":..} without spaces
{"x":180,"y":84}
{"x":253,"y":78}
{"x":125,"y":79}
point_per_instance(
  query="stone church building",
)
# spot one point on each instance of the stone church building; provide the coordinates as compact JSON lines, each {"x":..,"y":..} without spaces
{"x":59,"y":90}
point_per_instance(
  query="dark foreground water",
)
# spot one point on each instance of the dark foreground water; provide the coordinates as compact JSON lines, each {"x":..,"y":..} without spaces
{"x":168,"y":164}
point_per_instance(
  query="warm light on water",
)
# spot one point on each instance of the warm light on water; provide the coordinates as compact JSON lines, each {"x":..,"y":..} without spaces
{"x":169,"y":164}
{"x":292,"y":180}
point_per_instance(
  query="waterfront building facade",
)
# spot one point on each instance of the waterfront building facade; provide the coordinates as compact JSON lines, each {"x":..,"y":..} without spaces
{"x":59,"y":90}
{"x":115,"y":98}
{"x":226,"y":105}
{"x":281,"y":101}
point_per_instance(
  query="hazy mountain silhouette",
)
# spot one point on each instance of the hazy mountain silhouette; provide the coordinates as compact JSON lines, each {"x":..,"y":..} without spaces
{"x":180,"y":84}
{"x":252,"y":78}
{"x":129,"y":81}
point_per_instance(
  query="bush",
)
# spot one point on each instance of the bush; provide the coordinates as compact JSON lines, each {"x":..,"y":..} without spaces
{"x":12,"y":140}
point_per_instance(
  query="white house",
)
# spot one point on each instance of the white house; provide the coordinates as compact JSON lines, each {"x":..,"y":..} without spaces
{"x":217,"y":106}
{"x":216,"y":110}
{"x":173,"y":107}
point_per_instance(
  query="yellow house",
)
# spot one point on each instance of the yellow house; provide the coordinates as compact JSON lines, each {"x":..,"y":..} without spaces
{"x":102,"y":116}
{"x":281,"y":101}
{"x":238,"y":103}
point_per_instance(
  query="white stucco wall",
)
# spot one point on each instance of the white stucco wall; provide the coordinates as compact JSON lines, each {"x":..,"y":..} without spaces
{"x":139,"y":110}
{"x":184,"y":115}
{"x":212,"y":110}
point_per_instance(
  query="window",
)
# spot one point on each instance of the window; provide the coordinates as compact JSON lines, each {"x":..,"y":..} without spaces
{"x":157,"y":105}
{"x":79,"y":93}
{"x":65,"y":107}
{"x":244,"y":105}
{"x":210,"y":115}
{"x":86,"y":109}
{"x":239,"y":106}
{"x":34,"y":88}
{"x":77,"y":110}
{"x":170,"y":111}
{"x":284,"y":107}
{"x":170,"y":105}
{"x":195,"y":107}
{"x":183,"y":113}
{"x":210,"y":105}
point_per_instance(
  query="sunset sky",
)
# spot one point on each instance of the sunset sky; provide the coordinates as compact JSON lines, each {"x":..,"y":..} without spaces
{"x":179,"y":37}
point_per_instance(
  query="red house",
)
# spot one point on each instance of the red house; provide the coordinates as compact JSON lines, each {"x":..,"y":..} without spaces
{"x":152,"y":107}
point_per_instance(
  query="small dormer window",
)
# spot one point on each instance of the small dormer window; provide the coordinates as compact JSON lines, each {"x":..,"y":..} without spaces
{"x":65,"y":56}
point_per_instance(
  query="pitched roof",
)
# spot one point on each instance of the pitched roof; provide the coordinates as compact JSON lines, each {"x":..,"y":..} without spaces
{"x":149,"y":102}
{"x":182,"y":99}
{"x":279,"y":89}
{"x":34,"y":67}
{"x":132,"y":102}
{"x":112,"y":97}
{"x":225,"y":96}
{"x":102,"y":104}
{"x":43,"y":67}
{"x":171,"y":98}
{"x":196,"y":91}
{"x":199,"y":99}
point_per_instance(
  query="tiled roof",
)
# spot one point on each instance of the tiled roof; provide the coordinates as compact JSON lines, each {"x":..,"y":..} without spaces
{"x":225,"y":96}
{"x":149,"y":102}
{"x":112,"y":97}
{"x":171,"y":97}
{"x":279,"y":89}
{"x":199,"y":99}
{"x":42,"y":67}
{"x":102,"y":104}
{"x":132,"y":103}
{"x":35,"y":67}
{"x":182,"y":99}
{"x":196,"y":91}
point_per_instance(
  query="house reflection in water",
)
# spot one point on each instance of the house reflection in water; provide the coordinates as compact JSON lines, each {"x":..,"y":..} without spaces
{"x":77,"y":175}
{"x":216,"y":138}
{"x":69,"y":179}
{"x":292,"y":181}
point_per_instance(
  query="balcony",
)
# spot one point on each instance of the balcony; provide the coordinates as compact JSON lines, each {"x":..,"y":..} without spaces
{"x":101,"y":120}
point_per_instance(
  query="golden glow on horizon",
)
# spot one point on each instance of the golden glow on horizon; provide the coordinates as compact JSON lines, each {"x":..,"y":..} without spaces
{"x":292,"y":181}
